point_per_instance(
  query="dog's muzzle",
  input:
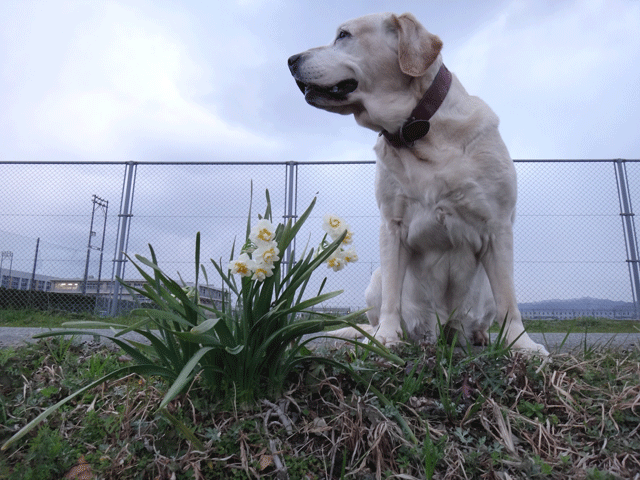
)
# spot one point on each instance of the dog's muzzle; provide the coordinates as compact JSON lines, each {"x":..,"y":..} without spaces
{"x":338,"y":91}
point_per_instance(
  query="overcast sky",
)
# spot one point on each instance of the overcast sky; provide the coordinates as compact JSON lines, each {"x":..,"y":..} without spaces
{"x":208,"y":81}
{"x":203,"y":80}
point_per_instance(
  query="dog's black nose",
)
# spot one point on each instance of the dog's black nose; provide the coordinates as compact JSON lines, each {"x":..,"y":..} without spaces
{"x":293,"y":63}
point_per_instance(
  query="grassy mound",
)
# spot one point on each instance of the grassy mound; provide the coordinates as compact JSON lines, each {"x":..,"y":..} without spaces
{"x":481,"y":415}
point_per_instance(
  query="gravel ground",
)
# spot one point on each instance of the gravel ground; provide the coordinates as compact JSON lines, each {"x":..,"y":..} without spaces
{"x":553,"y":341}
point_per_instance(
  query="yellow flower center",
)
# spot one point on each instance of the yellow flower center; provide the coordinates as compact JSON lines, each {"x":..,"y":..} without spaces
{"x":242,"y":268}
{"x":334,"y":222}
{"x":264,"y":235}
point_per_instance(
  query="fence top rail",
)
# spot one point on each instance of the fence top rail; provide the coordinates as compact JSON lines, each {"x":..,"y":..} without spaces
{"x":576,"y":160}
{"x":328,"y":162}
{"x":44,"y":162}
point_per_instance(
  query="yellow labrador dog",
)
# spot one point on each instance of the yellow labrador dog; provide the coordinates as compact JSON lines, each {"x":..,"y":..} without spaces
{"x":445,"y":183}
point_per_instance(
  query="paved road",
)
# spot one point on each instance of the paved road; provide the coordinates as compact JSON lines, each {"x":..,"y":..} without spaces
{"x":553,"y":341}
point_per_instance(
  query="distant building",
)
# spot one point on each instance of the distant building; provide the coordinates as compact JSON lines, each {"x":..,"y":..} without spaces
{"x":17,"y":280}
{"x":104,"y":289}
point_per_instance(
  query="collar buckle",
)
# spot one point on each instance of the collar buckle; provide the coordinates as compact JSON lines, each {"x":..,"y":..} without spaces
{"x":417,"y":126}
{"x":412,"y":130}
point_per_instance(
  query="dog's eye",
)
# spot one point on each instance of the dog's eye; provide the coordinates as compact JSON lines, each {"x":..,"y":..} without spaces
{"x":343,"y":34}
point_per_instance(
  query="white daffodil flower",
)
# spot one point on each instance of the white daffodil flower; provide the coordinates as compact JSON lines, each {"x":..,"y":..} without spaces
{"x":333,"y":225}
{"x":242,"y":266}
{"x":262,"y":271}
{"x":349,"y":237}
{"x":350,"y":255}
{"x":267,"y":254}
{"x":336,"y":260}
{"x":263,"y":233}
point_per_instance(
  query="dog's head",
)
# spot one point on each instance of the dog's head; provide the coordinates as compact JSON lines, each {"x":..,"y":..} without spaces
{"x":371,"y":70}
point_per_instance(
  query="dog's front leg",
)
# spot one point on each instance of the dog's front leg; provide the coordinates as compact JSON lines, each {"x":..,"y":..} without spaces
{"x":498,"y":263}
{"x":394,"y":257}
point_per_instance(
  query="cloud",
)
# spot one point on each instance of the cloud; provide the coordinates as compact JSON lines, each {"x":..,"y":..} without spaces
{"x":125,"y":83}
{"x":551,"y":50}
{"x":560,"y":76}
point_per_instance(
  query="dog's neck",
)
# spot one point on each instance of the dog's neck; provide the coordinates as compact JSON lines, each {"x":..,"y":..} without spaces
{"x":417,"y":126}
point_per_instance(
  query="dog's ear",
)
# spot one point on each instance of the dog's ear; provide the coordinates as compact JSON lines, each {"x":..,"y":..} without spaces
{"x":417,"y":48}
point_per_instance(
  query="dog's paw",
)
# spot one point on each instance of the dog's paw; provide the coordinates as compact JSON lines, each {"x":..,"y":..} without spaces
{"x":529,"y":347}
{"x":480,"y":338}
{"x":388,"y":336}
{"x":540,"y":350}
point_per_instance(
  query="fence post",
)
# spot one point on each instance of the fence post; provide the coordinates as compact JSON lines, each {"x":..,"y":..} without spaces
{"x":290,"y":209}
{"x":629,"y":229}
{"x":122,"y":237}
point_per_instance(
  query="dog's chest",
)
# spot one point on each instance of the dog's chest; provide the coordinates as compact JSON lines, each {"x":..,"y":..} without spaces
{"x":438,"y":205}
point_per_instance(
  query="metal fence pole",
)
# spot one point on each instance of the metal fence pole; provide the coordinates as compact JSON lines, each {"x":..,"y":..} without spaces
{"x":290,"y":209}
{"x":122,"y":238}
{"x":629,"y":229}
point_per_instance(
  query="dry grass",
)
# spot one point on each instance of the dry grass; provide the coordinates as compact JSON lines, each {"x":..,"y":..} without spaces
{"x":488,"y":415}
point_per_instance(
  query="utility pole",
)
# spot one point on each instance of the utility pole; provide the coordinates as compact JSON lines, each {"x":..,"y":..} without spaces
{"x":97,"y":203}
{"x":104,"y":230}
{"x":35,"y":263}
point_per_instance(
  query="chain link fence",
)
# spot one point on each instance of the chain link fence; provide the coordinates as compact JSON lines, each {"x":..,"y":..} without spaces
{"x":63,"y":225}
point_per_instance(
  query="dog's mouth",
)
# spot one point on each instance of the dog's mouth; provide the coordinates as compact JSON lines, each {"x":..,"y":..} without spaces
{"x":339,"y":91}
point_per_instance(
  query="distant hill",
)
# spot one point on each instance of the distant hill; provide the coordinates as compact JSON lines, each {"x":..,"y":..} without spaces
{"x":584,"y":303}
{"x":578,"y":307}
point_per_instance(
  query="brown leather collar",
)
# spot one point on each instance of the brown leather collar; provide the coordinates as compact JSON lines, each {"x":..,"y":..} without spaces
{"x":417,"y":125}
